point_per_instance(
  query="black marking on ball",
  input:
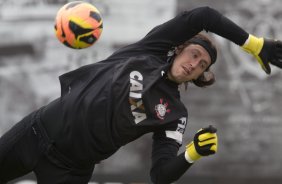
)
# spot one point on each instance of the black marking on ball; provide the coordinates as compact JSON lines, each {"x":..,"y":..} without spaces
{"x":95,"y":16}
{"x":67,"y":44}
{"x":89,"y":39}
{"x":78,"y":30}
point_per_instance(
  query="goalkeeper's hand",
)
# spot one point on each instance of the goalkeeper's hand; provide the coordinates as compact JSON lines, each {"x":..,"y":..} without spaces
{"x":204,"y":144}
{"x":265,"y":51}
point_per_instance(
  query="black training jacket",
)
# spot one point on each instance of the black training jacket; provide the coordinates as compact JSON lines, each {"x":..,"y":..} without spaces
{"x":113,"y":102}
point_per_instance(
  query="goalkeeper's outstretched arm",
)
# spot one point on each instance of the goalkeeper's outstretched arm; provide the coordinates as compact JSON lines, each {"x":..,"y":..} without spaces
{"x":189,"y":23}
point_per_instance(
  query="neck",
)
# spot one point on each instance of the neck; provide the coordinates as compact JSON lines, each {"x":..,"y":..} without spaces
{"x":171,"y":78}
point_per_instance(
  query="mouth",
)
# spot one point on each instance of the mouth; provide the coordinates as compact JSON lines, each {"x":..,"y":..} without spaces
{"x":186,"y":70}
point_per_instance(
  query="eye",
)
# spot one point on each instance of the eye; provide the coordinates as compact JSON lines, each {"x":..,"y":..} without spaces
{"x":195,"y":56}
{"x":203,"y":65}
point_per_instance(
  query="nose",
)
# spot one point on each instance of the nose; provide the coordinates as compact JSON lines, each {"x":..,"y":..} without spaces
{"x":195,"y":63}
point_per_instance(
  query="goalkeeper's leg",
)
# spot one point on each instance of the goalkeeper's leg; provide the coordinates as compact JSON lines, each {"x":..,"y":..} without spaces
{"x":24,"y":149}
{"x":18,"y":150}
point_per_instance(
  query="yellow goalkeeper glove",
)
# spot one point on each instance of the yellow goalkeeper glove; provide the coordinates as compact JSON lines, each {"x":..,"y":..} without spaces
{"x":204,"y":144}
{"x":265,"y":51}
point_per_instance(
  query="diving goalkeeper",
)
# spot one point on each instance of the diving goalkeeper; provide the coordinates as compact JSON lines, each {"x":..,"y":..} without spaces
{"x":108,"y":104}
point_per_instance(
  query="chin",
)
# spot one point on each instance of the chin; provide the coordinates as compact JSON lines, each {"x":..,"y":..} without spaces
{"x":180,"y":81}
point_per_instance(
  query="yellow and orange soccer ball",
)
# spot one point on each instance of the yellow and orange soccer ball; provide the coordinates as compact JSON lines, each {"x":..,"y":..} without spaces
{"x":78,"y":24}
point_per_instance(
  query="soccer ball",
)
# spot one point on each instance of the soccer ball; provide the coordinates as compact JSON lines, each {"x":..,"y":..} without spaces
{"x":78,"y":24}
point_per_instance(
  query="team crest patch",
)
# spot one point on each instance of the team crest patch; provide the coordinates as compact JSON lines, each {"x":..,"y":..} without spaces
{"x":161,"y":109}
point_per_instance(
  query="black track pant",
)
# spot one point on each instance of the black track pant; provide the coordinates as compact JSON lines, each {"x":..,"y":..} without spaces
{"x":26,"y":148}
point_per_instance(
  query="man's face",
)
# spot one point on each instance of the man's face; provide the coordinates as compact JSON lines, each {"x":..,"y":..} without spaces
{"x":189,"y":64}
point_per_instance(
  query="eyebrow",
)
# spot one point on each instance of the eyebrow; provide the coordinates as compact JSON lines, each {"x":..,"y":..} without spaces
{"x":197,"y":51}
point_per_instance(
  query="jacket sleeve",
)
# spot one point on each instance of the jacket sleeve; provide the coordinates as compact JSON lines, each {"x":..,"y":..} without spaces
{"x":183,"y":27}
{"x":167,"y":167}
{"x":189,"y":23}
